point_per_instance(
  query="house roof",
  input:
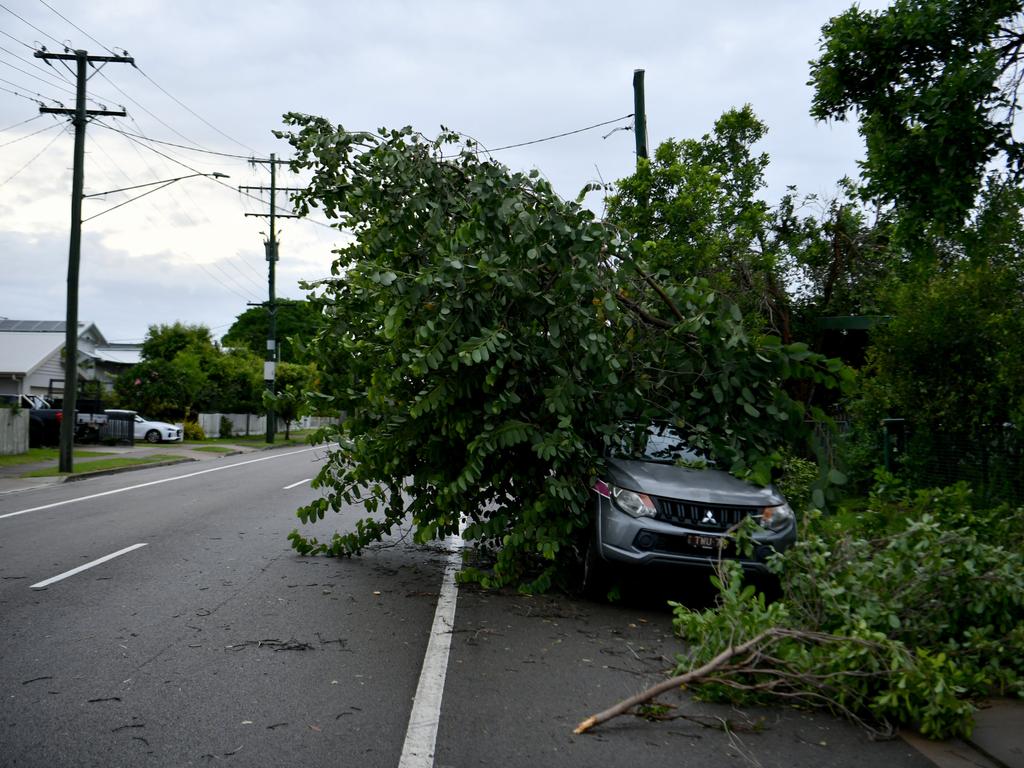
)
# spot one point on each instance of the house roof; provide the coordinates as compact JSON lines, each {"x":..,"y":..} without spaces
{"x":27,"y":344}
{"x":23,"y":352}
{"x":47,"y":326}
{"x":34,"y":326}
{"x":128,"y":354}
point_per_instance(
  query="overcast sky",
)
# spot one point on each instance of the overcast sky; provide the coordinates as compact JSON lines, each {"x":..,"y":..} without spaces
{"x":218,"y":75}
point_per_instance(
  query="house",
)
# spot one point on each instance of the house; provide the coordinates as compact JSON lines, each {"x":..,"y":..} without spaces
{"x":32,"y":357}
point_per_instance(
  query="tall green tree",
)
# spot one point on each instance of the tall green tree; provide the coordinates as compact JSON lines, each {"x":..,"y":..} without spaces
{"x":183,"y":371}
{"x":934,"y":85}
{"x":695,"y":209}
{"x":487,"y":339}
{"x":297,"y":323}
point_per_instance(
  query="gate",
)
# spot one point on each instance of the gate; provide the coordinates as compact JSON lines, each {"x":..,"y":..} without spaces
{"x":119,"y":428}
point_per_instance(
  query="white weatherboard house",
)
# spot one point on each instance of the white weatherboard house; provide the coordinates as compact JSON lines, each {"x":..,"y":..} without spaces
{"x":32,"y":357}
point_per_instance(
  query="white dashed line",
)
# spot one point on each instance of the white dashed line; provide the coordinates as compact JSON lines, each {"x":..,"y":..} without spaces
{"x":87,"y":566}
{"x":293,"y":485}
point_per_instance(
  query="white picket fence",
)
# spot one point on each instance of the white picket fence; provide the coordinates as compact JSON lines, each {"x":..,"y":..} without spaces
{"x":251,"y":424}
{"x":13,"y":431}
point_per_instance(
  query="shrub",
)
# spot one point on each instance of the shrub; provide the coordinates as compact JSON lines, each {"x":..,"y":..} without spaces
{"x":226,"y":426}
{"x":193,"y":431}
{"x":920,"y":599}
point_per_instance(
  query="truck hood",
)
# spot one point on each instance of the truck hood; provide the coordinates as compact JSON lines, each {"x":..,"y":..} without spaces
{"x":709,"y":486}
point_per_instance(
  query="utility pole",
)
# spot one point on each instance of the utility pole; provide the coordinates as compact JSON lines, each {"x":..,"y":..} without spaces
{"x":639,"y":115}
{"x":270,"y":244}
{"x":80,"y":117}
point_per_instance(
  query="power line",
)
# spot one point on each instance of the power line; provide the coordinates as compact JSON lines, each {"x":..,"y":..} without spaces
{"x":26,"y":136}
{"x":34,"y":157}
{"x":69,"y":21}
{"x":558,"y":135}
{"x":12,"y":127}
{"x":247,"y":158}
{"x":19,"y":42}
{"x":22,"y":95}
{"x":153,"y":224}
{"x":29,"y":23}
{"x":193,"y":112}
{"x":203,"y":214}
{"x":32,"y":64}
{"x":140,"y":106}
{"x":37,"y":77}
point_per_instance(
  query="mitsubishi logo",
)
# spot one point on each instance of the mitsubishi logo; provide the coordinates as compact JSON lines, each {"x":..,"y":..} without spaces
{"x":709,"y":517}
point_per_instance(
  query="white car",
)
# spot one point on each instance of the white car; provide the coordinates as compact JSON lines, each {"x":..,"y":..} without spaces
{"x":154,"y":431}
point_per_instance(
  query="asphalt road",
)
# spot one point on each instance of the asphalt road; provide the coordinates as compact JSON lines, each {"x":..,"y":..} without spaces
{"x":215,"y":643}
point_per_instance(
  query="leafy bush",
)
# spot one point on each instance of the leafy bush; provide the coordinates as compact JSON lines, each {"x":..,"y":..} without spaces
{"x":192,"y":431}
{"x":226,"y":426}
{"x":922,"y":601}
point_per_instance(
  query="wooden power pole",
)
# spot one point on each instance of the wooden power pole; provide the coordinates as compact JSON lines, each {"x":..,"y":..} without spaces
{"x":270,"y":244}
{"x":79,"y":117}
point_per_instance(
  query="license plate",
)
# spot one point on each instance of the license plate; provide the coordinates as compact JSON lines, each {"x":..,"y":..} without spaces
{"x":703,"y":542}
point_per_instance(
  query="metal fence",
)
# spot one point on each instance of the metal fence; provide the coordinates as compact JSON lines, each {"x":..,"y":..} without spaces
{"x":989,"y":460}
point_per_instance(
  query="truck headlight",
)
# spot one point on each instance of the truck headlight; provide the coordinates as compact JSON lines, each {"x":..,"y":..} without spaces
{"x":776,"y":518}
{"x":633,"y":503}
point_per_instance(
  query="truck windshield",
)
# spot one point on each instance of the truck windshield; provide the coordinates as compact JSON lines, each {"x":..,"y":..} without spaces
{"x":657,"y":442}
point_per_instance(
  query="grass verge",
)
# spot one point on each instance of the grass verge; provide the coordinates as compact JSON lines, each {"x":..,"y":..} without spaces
{"x":97,"y":466}
{"x":39,"y":455}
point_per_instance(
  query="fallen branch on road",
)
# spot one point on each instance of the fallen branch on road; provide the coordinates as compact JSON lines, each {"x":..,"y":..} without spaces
{"x":757,"y":670}
{"x":674,"y":682}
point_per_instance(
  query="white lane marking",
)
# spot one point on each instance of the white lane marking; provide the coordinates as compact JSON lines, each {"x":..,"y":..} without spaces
{"x":87,"y":566}
{"x":293,"y":485}
{"x":154,"y":482}
{"x":421,"y":733}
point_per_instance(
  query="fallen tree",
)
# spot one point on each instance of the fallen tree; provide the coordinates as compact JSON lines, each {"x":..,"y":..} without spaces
{"x":487,"y":339}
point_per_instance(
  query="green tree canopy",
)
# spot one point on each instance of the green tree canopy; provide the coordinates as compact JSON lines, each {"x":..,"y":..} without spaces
{"x":934,"y":85}
{"x":183,"y":371}
{"x":165,"y":342}
{"x":695,"y":209}
{"x":297,"y":323}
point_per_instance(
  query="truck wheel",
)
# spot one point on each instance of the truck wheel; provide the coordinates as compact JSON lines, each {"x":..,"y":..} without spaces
{"x":152,"y":436}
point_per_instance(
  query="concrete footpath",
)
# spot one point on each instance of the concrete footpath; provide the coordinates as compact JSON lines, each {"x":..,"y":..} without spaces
{"x":997,"y":741}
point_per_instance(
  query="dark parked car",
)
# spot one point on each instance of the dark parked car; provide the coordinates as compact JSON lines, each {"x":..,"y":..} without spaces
{"x":662,"y":504}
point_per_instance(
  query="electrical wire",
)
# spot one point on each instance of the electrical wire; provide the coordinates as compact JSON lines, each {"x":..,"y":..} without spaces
{"x":205,"y":217}
{"x":35,"y":156}
{"x":556,"y":136}
{"x":37,"y":77}
{"x":54,"y":74}
{"x":27,"y":135}
{"x":69,"y":21}
{"x":245,"y":294}
{"x":247,"y":158}
{"x":27,"y":98}
{"x":134,"y":101}
{"x":23,"y":122}
{"x":19,"y":42}
{"x":140,"y":106}
{"x":192,"y":111}
{"x":29,"y":23}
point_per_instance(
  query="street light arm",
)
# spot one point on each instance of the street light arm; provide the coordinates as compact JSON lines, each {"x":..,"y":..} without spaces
{"x":167,"y":183}
{"x":215,"y":175}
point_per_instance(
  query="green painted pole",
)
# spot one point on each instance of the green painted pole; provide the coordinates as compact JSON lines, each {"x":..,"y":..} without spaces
{"x":639,"y":115}
{"x":67,"y":424}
